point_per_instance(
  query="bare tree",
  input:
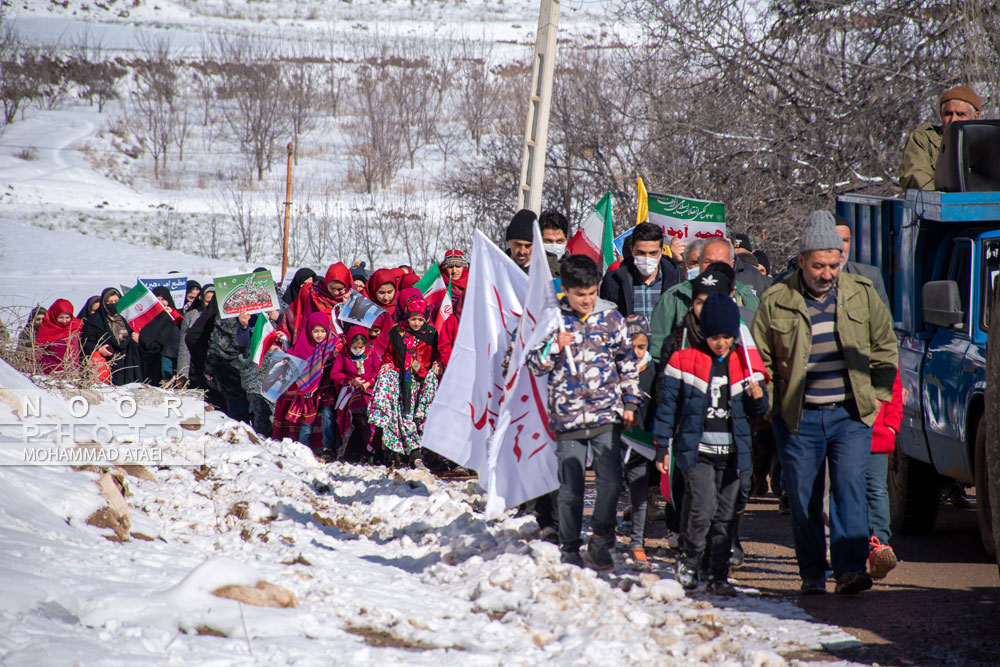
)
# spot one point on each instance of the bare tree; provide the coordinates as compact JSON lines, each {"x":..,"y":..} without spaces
{"x":300,"y":91}
{"x":778,"y":107}
{"x":376,"y":134}
{"x":239,"y":205}
{"x":478,"y":88}
{"x":16,"y":80}
{"x":154,"y":99}
{"x":94,"y":72}
{"x":256,"y":112}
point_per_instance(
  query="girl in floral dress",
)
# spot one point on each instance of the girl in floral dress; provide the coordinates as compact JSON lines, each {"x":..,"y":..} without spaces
{"x":406,"y":382}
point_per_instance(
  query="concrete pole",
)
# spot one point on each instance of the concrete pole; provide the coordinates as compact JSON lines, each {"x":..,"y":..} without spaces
{"x":529,"y":194}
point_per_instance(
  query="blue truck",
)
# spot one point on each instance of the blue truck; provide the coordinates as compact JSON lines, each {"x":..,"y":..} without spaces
{"x":939,"y":254}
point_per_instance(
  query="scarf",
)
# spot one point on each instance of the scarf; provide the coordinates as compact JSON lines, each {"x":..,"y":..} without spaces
{"x":163,"y":293}
{"x":315,"y":298}
{"x":317,"y":355}
{"x":116,"y":323}
{"x":51,"y":331}
{"x":378,"y":279}
{"x":405,"y":342}
{"x":298,"y":281}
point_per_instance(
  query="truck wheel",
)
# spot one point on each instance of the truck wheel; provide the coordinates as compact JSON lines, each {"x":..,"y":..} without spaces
{"x":984,"y":501}
{"x":913,"y":494}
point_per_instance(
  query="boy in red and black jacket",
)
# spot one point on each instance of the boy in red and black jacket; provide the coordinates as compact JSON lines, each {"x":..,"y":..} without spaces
{"x":707,"y":395}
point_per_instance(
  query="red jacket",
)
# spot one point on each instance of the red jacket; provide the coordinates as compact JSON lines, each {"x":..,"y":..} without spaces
{"x":345,"y":369}
{"x":446,"y":339}
{"x":888,"y":421}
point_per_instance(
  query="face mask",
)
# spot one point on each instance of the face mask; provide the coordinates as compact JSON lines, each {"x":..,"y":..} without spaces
{"x":646,"y":358}
{"x":556,"y":249}
{"x":693,"y":273}
{"x":646,"y":265}
{"x":357,"y":351}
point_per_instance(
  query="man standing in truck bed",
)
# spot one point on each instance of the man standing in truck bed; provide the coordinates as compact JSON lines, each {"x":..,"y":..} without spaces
{"x":826,"y":340}
{"x":920,"y":154}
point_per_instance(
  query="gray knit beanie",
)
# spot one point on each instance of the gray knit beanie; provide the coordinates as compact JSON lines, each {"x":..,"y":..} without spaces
{"x":820,"y":233}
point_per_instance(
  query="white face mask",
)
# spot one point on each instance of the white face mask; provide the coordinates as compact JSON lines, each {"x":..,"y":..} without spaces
{"x":693,"y":273}
{"x":357,"y":351}
{"x":646,"y":265}
{"x":555,"y":249}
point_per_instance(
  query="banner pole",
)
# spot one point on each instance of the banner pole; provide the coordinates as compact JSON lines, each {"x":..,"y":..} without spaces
{"x":288,"y":208}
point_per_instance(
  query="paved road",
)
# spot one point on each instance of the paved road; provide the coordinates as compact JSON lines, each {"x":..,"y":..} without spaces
{"x":940,"y":606}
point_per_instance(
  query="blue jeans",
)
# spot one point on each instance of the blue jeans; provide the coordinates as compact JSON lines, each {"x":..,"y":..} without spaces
{"x":328,"y":416}
{"x":878,"y":496}
{"x":835,"y":436}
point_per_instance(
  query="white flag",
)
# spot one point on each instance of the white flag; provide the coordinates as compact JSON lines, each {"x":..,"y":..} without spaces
{"x":463,"y":415}
{"x":522,"y":462}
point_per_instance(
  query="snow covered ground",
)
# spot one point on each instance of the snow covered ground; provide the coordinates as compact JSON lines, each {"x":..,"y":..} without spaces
{"x":388,"y":568}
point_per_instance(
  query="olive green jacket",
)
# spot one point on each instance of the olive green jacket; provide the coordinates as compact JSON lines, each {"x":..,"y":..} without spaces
{"x":916,"y":169}
{"x":674,"y":304}
{"x":783,"y":333}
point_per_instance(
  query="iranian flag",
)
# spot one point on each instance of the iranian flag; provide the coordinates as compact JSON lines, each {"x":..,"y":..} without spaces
{"x":446,"y":310}
{"x":139,"y":306}
{"x":433,"y":287}
{"x":595,"y":236}
{"x":264,"y":335}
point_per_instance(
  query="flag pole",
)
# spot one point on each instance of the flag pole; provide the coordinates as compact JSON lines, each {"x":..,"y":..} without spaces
{"x":746,"y":355}
{"x":569,"y":353}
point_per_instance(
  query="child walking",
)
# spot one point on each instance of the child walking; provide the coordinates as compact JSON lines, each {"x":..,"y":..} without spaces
{"x":593,"y":392}
{"x":298,"y":409}
{"x":406,"y":382}
{"x":353,"y":375}
{"x":637,"y":467}
{"x":707,"y":395}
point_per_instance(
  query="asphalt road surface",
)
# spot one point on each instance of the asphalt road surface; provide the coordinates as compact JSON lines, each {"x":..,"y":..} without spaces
{"x":940,"y":606}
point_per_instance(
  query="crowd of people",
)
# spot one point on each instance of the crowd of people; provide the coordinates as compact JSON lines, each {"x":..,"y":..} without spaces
{"x":739,"y":376}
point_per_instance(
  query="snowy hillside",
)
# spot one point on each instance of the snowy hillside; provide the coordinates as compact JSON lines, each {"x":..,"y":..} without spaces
{"x":386,"y":567}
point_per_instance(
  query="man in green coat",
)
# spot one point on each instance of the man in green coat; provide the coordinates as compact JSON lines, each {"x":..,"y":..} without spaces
{"x":827,"y":343}
{"x":674,"y":304}
{"x":920,"y":154}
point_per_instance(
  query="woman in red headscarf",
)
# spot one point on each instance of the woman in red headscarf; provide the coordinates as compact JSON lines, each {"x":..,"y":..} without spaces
{"x":57,"y":343}
{"x":455,"y":271}
{"x":324,"y":296}
{"x":408,"y":280}
{"x":381,"y":289}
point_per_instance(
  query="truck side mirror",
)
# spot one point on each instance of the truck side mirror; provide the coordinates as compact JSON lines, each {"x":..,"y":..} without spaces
{"x":942,"y":304}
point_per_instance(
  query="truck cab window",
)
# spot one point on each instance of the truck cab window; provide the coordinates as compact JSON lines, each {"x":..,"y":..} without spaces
{"x":960,"y":270}
{"x":989,"y":274}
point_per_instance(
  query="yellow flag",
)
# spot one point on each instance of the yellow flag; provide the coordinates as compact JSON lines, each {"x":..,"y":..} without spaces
{"x":642,"y":214}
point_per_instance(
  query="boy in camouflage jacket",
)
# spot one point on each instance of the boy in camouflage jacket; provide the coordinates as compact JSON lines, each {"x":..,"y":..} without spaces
{"x":593,"y":391}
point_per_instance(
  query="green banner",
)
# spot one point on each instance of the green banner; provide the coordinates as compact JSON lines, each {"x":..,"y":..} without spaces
{"x":688,"y":218}
{"x":246,"y":293}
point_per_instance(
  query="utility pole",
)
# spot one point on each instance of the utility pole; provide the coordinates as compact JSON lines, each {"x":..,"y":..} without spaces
{"x":288,"y":208}
{"x":529,"y":193}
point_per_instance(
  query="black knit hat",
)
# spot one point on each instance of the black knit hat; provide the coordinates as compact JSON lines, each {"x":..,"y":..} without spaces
{"x":719,"y":315}
{"x":717,"y":277}
{"x":741,"y":241}
{"x":520,"y":227}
